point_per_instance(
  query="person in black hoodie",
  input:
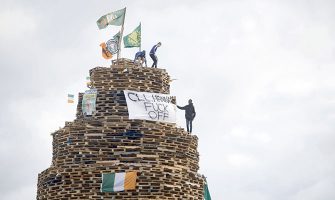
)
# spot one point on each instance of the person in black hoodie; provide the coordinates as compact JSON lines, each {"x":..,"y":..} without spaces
{"x":189,"y":114}
{"x":153,"y":54}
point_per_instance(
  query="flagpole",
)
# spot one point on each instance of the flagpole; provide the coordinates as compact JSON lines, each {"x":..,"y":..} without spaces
{"x":141,"y":37}
{"x":121,"y":36}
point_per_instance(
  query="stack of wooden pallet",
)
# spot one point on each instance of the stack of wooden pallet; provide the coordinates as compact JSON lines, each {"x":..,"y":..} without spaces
{"x":165,"y":157}
{"x":123,"y":62}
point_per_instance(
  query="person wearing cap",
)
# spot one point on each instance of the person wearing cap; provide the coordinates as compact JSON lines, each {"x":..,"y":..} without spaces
{"x":189,"y":114}
{"x":153,"y":54}
{"x":140,"y":58}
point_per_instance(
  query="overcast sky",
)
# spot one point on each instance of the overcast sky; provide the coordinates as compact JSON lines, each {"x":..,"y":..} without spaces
{"x":260,"y":73}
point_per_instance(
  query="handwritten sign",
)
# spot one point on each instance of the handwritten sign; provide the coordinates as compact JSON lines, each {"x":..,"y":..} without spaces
{"x":150,"y":106}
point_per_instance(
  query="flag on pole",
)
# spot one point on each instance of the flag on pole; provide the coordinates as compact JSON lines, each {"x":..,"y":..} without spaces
{"x":114,"y":182}
{"x":207,"y":195}
{"x":117,"y":36}
{"x":105,"y":53}
{"x":133,"y":39}
{"x":115,"y":18}
{"x":113,"y":44}
{"x":70,"y":98}
{"x":88,"y":81}
{"x":110,"y":47}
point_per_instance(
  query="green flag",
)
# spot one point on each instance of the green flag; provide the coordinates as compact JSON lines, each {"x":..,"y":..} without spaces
{"x":117,"y":36}
{"x":114,"y":18}
{"x":207,"y":195}
{"x":133,"y":39}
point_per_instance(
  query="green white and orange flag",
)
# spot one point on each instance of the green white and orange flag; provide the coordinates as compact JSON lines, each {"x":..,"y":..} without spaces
{"x":88,"y":81}
{"x":70,"y":98}
{"x":114,"y":182}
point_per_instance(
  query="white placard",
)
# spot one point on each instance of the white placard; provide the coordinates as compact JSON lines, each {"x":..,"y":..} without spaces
{"x":150,"y":106}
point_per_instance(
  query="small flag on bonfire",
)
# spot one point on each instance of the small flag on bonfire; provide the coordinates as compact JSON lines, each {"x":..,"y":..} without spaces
{"x":88,"y":81}
{"x":70,"y":98}
{"x":114,"y":182}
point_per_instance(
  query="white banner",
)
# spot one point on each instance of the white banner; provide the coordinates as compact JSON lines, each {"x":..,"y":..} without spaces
{"x":150,"y":106}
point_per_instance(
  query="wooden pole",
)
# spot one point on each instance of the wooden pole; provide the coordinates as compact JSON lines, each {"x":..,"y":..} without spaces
{"x":141,"y":37}
{"x":121,"y":36}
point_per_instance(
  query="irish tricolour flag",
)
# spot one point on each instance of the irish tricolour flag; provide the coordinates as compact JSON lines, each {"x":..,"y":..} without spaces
{"x":114,"y":182}
{"x":70,"y":98}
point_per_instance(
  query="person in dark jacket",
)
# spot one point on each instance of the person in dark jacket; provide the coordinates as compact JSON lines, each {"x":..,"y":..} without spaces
{"x":140,"y":58}
{"x":153,"y":54}
{"x":189,"y":114}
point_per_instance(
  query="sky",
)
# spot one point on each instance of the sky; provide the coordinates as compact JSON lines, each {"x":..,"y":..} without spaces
{"x":260,"y":73}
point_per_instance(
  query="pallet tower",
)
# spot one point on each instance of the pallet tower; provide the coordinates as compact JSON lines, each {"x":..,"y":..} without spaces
{"x":165,"y":158}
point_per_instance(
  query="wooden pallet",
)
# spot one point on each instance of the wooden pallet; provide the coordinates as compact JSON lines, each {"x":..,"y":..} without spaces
{"x":164,"y":156}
